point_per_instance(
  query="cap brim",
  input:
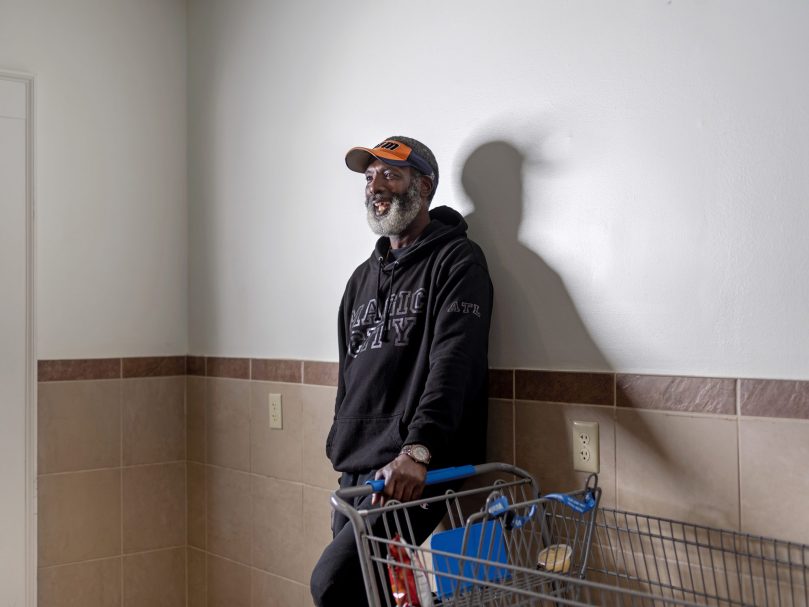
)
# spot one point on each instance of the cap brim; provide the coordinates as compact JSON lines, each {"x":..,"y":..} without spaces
{"x":358,"y":159}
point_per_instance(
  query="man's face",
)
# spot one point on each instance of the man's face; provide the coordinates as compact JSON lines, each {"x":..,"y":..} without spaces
{"x":392,"y":198}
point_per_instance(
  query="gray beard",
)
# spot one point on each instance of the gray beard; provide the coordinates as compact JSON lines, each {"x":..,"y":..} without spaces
{"x":403,"y":210}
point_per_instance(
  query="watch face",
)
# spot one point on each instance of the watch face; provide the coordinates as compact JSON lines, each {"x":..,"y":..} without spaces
{"x":420,"y":453}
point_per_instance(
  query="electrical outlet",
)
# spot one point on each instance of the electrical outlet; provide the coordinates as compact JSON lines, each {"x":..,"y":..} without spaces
{"x":276,"y":412}
{"x":584,"y":442}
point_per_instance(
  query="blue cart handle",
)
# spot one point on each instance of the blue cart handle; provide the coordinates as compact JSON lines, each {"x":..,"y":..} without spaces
{"x":571,"y":502}
{"x":433,"y":477}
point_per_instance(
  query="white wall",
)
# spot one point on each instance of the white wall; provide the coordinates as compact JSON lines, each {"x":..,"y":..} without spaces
{"x":14,"y":342}
{"x":662,"y":148}
{"x":637,"y":169}
{"x":111,"y":171}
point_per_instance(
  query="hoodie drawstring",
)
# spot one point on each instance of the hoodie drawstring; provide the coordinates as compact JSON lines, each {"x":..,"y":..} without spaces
{"x":379,"y":298}
{"x":379,"y":279}
{"x":391,"y":292}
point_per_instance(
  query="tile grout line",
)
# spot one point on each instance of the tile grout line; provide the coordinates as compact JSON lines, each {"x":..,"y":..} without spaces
{"x":252,"y":518}
{"x":129,"y":467}
{"x":259,"y":476}
{"x":204,"y":463}
{"x":302,"y":443}
{"x":251,"y":567}
{"x":111,"y":557}
{"x":739,"y":448}
{"x":187,"y":526}
{"x":615,"y":436}
{"x":121,"y":478}
{"x":513,"y":417}
{"x":205,"y":486}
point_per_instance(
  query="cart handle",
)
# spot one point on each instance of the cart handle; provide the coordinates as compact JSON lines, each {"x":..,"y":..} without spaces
{"x":433,"y":477}
{"x":580,"y":506}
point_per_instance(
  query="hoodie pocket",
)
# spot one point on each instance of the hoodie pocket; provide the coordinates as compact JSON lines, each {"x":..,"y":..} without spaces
{"x":330,"y":437}
{"x":362,"y":444}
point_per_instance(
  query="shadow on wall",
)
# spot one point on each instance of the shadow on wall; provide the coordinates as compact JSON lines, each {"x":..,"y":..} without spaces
{"x":535,"y":322}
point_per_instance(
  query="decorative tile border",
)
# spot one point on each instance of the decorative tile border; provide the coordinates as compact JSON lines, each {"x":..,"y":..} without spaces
{"x":78,"y":369}
{"x":153,"y":366}
{"x":666,"y":393}
{"x":319,"y":373}
{"x":774,"y":398}
{"x":111,"y":368}
{"x":234,"y":368}
{"x":264,"y":369}
{"x":718,"y":396}
{"x":195,"y":365}
{"x":565,"y":387}
{"x":501,"y":383}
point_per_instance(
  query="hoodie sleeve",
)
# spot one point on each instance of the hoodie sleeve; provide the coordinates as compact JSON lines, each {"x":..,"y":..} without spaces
{"x":458,"y":361}
{"x":342,"y":348}
{"x":342,"y":345}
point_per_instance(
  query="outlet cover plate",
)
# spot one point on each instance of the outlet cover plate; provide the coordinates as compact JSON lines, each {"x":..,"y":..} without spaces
{"x":585,"y":448}
{"x":276,"y":412}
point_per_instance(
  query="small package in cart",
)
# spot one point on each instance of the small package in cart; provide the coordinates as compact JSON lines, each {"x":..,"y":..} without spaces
{"x":410,"y":586}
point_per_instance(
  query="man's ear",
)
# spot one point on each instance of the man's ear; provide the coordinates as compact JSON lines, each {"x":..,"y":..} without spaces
{"x":426,"y":186}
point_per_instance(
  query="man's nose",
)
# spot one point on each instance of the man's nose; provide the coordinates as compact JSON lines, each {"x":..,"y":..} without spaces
{"x":376,"y":184}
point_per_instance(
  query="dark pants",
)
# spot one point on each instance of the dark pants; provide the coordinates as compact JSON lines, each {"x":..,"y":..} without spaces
{"x":337,"y":578}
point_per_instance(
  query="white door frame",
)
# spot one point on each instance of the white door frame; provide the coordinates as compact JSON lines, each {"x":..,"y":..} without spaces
{"x":30,"y":350}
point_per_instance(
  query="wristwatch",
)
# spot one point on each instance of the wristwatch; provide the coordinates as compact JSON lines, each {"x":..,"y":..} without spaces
{"x":419,"y":453}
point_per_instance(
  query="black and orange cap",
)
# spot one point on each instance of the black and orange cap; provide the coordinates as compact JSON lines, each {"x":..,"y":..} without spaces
{"x":391,"y":152}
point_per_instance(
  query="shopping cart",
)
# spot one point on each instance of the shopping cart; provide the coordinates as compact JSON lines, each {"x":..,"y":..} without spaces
{"x":494,"y":537}
{"x":502,"y":544}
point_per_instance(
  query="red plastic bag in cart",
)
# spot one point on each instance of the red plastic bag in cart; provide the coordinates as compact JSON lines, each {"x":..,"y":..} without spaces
{"x":410,"y":587}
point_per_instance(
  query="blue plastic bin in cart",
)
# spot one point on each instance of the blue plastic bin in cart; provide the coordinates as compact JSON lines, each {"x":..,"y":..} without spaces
{"x":484,"y":541}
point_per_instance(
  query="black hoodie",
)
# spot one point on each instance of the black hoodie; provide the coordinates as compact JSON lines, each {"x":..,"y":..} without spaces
{"x":414,"y":369}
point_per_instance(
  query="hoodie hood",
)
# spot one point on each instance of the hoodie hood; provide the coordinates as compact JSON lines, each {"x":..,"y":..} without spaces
{"x":445,"y":224}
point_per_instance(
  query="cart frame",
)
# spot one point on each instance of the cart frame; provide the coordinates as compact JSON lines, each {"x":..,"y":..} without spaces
{"x":505,"y":504}
{"x":617,"y":558}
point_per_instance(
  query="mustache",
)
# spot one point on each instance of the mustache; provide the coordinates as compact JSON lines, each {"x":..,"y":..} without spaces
{"x":374,"y":198}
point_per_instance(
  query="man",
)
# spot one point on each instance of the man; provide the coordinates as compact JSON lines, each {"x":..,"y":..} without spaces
{"x":413,"y":343}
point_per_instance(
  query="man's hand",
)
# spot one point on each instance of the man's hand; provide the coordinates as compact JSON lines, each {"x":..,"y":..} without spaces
{"x":404,"y":480}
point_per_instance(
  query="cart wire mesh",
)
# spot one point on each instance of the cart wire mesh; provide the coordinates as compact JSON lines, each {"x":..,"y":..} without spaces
{"x":501,"y":544}
{"x":486,"y":551}
{"x":696,"y":564}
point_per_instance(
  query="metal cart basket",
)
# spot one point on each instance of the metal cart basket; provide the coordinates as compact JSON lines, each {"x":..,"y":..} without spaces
{"x":677,"y":563}
{"x":502,"y":543}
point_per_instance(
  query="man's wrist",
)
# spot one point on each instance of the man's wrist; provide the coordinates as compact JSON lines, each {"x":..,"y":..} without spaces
{"x":418,"y":453}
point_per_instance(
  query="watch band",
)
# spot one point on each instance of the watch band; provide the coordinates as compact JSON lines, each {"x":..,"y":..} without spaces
{"x":418,"y":453}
